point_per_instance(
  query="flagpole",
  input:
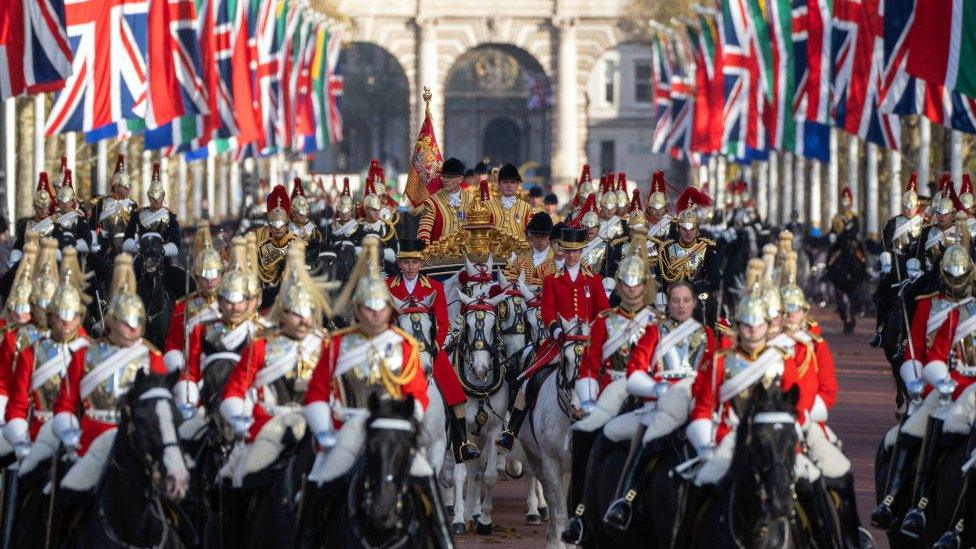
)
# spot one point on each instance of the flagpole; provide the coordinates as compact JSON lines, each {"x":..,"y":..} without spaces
{"x":101,"y":168}
{"x":955,"y":157}
{"x":799,"y":193}
{"x":871,"y":192}
{"x":38,"y":135}
{"x":181,"y":185}
{"x":924,"y":152}
{"x":787,"y":192}
{"x":71,"y":149}
{"x":772,"y":215}
{"x":894,"y":187}
{"x":833,"y":174}
{"x":762,"y":190}
{"x":10,"y":159}
{"x":815,"y":194}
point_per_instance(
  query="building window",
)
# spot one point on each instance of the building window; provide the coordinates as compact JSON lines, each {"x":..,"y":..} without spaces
{"x":609,"y":78}
{"x":607,"y":150}
{"x":642,"y":82}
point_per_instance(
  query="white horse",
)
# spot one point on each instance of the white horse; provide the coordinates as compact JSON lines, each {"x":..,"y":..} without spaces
{"x":484,"y":382}
{"x":415,"y":321}
{"x":545,"y":439}
{"x":478,"y":280}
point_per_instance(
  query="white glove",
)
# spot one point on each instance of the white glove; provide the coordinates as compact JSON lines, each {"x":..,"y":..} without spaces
{"x":885,"y":262}
{"x":130,"y":246}
{"x":71,"y":440}
{"x":699,"y":433}
{"x":170,"y":249}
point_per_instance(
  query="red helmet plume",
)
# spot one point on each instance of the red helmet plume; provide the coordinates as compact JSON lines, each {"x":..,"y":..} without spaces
{"x":297,"y":188}
{"x":693,"y":198}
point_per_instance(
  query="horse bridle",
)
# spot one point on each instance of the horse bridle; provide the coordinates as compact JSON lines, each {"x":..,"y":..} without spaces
{"x":480,"y":343}
{"x":564,"y":382}
{"x":151,"y":468}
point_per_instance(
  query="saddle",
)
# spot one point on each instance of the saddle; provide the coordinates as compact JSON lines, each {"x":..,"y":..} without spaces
{"x":534,"y":384}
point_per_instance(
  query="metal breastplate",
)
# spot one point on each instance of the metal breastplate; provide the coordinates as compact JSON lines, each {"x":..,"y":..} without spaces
{"x":694,"y":263}
{"x":152,"y":222}
{"x":735,"y":363}
{"x":271,"y":259}
{"x":683,"y":357}
{"x":594,"y":254}
{"x":364,"y":379}
{"x":621,"y":357}
{"x":213,"y":340}
{"x":964,"y":351}
{"x":45,"y":229}
{"x":196,"y":304}
{"x":611,"y":228}
{"x":27,"y":335}
{"x":116,"y":222}
{"x":290,"y":388}
{"x":106,"y":396}
{"x":68,"y":220}
{"x":302,"y":231}
{"x":900,"y":245}
{"x":46,"y":395}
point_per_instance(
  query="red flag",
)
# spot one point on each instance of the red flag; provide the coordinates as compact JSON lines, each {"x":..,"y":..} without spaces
{"x":422,"y":175}
{"x":165,"y":102}
{"x":248,"y":130}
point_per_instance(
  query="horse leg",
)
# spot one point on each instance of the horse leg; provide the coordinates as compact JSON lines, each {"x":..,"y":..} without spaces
{"x":532,"y":516}
{"x":484,"y":523}
{"x":458,"y":525}
{"x":543,"y":506}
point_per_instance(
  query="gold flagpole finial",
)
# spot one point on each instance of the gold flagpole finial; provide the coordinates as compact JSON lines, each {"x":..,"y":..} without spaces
{"x":427,"y":96}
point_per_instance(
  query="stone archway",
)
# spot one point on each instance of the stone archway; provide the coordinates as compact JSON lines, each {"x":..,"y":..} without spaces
{"x":493,"y":90}
{"x":375,"y":110}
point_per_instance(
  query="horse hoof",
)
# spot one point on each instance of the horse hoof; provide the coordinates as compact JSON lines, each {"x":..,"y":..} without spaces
{"x":482,"y":529}
{"x":533,"y":520}
{"x":544,"y":512}
{"x":458,"y":528}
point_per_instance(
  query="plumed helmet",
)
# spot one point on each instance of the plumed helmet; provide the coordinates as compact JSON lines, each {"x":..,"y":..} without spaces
{"x":70,"y":300}
{"x":956,"y":266}
{"x":966,"y":197}
{"x":45,"y":274}
{"x":207,"y":263}
{"x":909,"y":199}
{"x":657,"y":198}
{"x":623,"y":199}
{"x":608,"y":200}
{"x":585,"y":185}
{"x":156,"y":190}
{"x":791,"y":295}
{"x":18,"y":301}
{"x":43,"y":197}
{"x":690,"y":200}
{"x":121,"y":175}
{"x":752,"y":309}
{"x":370,"y":197}
{"x":634,"y":269}
{"x":299,"y":201}
{"x":233,"y":285}
{"x":279,"y":206}
{"x":587,"y":216}
{"x":59,"y":181}
{"x":66,"y":192}
{"x":125,"y":305}
{"x":847,"y":197}
{"x":371,"y":290}
{"x":771,"y":290}
{"x":344,"y":204}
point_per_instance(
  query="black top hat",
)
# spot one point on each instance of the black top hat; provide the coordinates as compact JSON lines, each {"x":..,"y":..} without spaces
{"x":468,"y":172}
{"x":540,"y":224}
{"x":509,"y":171}
{"x":410,"y":248}
{"x":481,"y":167}
{"x":550,"y":199}
{"x":572,"y":238}
{"x":452,"y":166}
{"x":557,"y":230}
{"x":535,"y":191}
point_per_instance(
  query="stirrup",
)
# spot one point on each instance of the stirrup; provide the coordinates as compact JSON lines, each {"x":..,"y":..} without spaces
{"x":506,"y":440}
{"x":883,"y":515}
{"x":466,"y":452}
{"x":620,"y":512}
{"x":914,"y":523}
{"x":575,"y":531}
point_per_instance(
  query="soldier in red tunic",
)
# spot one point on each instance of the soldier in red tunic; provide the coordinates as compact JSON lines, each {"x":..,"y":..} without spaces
{"x":575,"y":294}
{"x":410,"y":285}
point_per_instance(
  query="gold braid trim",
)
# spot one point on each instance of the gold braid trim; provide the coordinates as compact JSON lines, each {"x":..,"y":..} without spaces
{"x":393,"y":382}
{"x":802,"y":369}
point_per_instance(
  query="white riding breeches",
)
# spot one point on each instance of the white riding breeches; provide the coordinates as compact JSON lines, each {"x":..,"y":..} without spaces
{"x":607,"y":407}
{"x":250,"y":458}
{"x":828,"y":457}
{"x":84,"y":474}
{"x":716,"y":464}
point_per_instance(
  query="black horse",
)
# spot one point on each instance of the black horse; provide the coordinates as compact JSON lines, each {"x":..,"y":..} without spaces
{"x":159,"y":285}
{"x":847,"y":271}
{"x":753,"y":506}
{"x":146,"y":455}
{"x":378,"y":504}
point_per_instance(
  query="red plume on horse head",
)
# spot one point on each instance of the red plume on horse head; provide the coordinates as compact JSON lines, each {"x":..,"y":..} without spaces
{"x":693,"y":198}
{"x":297,"y":189}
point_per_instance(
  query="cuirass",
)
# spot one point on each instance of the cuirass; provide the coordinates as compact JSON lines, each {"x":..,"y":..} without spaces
{"x":68,"y":220}
{"x":901,"y":244}
{"x":736,"y":363}
{"x":616,"y":323}
{"x":154,"y":222}
{"x":683,"y":357}
{"x":611,"y":228}
{"x":27,"y":335}
{"x":271,"y":260}
{"x":106,"y":396}
{"x":40,"y":227}
{"x":116,"y":222}
{"x":45,"y":350}
{"x":595,"y":255}
{"x":304,"y":232}
{"x":365,"y":378}
{"x":965,"y":350}
{"x":695,"y":262}
{"x":290,"y":388}
{"x":196,"y":304}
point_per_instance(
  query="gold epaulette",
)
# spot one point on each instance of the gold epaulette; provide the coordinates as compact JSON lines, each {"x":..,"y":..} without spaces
{"x":424,"y":281}
{"x":152,"y":348}
{"x":346,"y":330}
{"x":661,"y":242}
{"x":707,"y":241}
{"x":605,"y":313}
{"x":801,"y":369}
{"x":724,"y":330}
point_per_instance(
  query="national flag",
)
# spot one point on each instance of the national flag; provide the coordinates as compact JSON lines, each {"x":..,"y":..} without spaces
{"x":214,"y":33}
{"x":857,"y":44}
{"x":707,"y":123}
{"x":682,"y":92}
{"x":905,"y":94}
{"x":242,"y":99}
{"x":303,"y":110}
{"x":335,"y":87}
{"x":109,"y":42}
{"x":286,"y":64}
{"x":422,"y":174}
{"x":942,"y":47}
{"x":810,"y":106}
{"x":742,"y":125}
{"x":266,"y":69}
{"x":779,"y":121}
{"x":661,"y":73}
{"x":320,"y":84}
{"x":35,"y":56}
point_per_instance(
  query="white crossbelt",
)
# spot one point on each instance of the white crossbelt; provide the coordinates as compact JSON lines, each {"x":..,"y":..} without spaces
{"x":57,"y":363}
{"x":746,"y":378}
{"x":964,"y":328}
{"x":617,"y":340}
{"x":905,"y":227}
{"x":936,"y":320}
{"x":107,"y":367}
{"x":350,"y":358}
{"x":274,"y":370}
{"x":681,"y":332}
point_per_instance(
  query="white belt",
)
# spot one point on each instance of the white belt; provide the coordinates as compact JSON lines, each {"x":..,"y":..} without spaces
{"x":617,"y":374}
{"x":224,"y":355}
{"x":107,"y":416}
{"x":676,"y":374}
{"x":284,"y":409}
{"x":966,"y":371}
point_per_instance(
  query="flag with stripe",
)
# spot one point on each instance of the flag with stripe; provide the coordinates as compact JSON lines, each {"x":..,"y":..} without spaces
{"x":810,"y":101}
{"x":942,"y":44}
{"x":742,"y":120}
{"x":335,"y":86}
{"x":661,"y":74}
{"x":35,"y":55}
{"x":705,"y":49}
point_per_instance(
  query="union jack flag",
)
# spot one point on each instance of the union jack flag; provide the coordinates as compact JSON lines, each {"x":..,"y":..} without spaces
{"x":857,"y":43}
{"x":811,"y":63}
{"x":109,"y":41}
{"x":661,"y":75}
{"x":682,"y":103}
{"x":266,"y":69}
{"x":335,"y":84}
{"x":743,"y":131}
{"x":905,"y":94}
{"x":35,"y":56}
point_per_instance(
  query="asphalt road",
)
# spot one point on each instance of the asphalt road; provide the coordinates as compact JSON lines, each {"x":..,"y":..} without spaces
{"x":864,"y":412}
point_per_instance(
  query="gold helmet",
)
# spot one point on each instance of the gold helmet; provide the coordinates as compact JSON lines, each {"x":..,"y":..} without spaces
{"x":752,"y":309}
{"x":233,"y":285}
{"x":125,"y":305}
{"x":18,"y":302}
{"x":374,"y":177}
{"x":909,"y":199}
{"x":59,"y":181}
{"x":771,"y":291}
{"x":784,"y":247}
{"x":966,"y":197}
{"x":791,"y":294}
{"x":956,"y":266}
{"x":253,"y":278}
{"x":156,"y":190}
{"x":43,"y":197}
{"x":207,"y":263}
{"x":690,"y":200}
{"x":299,"y":202}
{"x":623,"y":199}
{"x":69,"y":299}
{"x":371,"y":290}
{"x":279,"y":207}
{"x":657,"y":198}
{"x":344,"y":204}
{"x":121,"y":176}
{"x":637,"y":221}
{"x":588,"y":216}
{"x":299,"y":294}
{"x":585,"y":185}
{"x":46,"y":274}
{"x":634,"y":269}
{"x":66,"y":192}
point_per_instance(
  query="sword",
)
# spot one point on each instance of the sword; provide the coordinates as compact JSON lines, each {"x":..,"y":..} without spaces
{"x":9,"y":498}
{"x":50,"y":502}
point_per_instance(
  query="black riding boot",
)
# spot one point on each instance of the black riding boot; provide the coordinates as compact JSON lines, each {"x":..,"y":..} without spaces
{"x":816,"y":502}
{"x":965,"y":507}
{"x":464,"y":449}
{"x":506,"y":440}
{"x":439,"y":525}
{"x":691,"y":499}
{"x":850,"y":523}
{"x":233,"y":503}
{"x":621,"y":509}
{"x":904,"y":452}
{"x":914,"y":523}
{"x":582,"y":444}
